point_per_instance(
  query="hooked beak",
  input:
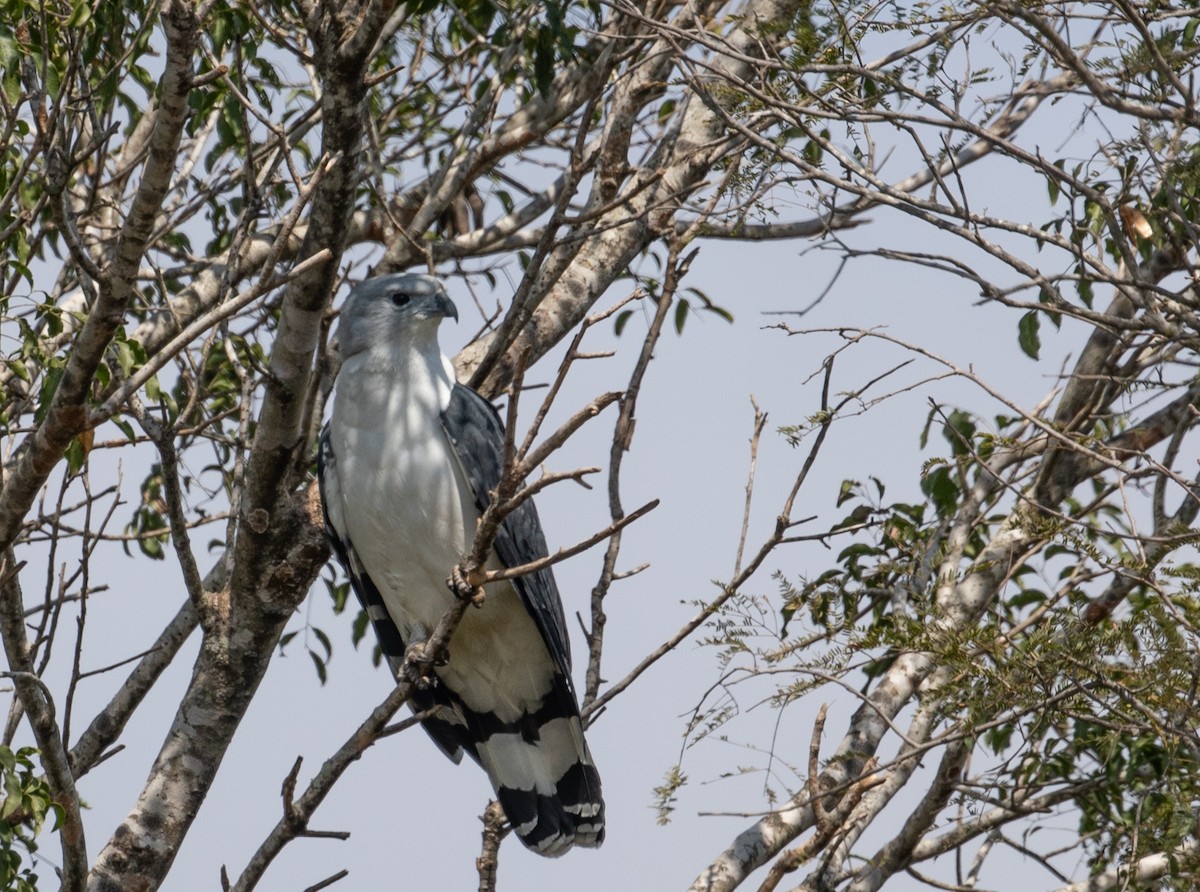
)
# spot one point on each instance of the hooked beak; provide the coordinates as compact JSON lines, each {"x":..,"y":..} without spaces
{"x":443,"y":303}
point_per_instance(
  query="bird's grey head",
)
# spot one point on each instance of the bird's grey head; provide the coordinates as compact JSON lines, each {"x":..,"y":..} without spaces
{"x":392,"y":309}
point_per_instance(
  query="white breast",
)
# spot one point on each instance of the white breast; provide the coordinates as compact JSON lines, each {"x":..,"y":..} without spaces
{"x":406,"y":505}
{"x":409,"y":512}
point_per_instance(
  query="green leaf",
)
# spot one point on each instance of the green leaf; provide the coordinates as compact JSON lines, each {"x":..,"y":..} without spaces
{"x":623,"y":317}
{"x":1027,"y":334}
{"x":1028,"y":596}
{"x":12,"y":794}
{"x":125,"y":358}
{"x":1084,"y":288}
{"x":720,"y":311}
{"x":939,"y":485}
{"x":10,"y":55}
{"x":12,"y":86}
{"x":325,"y":642}
{"x":18,"y":369}
{"x":320,"y":666}
{"x":681,"y":314}
{"x":959,"y":431}
{"x":218,"y":32}
{"x":60,"y":815}
{"x":846,"y":491}
{"x":543,"y":61}
{"x":49,"y":384}
{"x":358,"y":630}
{"x":152,"y":547}
{"x":81,"y":13}
{"x":76,"y":456}
{"x":20,"y":269}
{"x":126,"y":428}
{"x":934,"y":412}
{"x":339,"y":593}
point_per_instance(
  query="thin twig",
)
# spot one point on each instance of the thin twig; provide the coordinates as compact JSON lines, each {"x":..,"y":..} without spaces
{"x":329,"y":881}
{"x":760,"y":421}
{"x":564,"y":553}
{"x":495,"y":828}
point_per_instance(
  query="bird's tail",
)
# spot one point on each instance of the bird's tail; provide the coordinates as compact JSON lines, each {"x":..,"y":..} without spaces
{"x":545,"y":779}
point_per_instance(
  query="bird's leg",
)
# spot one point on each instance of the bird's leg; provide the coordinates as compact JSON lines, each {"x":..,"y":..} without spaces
{"x":460,"y":583}
{"x":418,"y":662}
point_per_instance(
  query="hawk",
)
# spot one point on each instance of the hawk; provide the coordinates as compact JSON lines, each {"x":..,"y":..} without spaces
{"x":407,"y":462}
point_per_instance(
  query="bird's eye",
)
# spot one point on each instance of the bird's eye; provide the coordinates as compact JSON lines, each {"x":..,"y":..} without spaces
{"x":400,"y":299}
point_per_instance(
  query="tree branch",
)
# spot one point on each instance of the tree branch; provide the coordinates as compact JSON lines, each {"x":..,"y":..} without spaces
{"x":39,"y":708}
{"x":66,"y":414}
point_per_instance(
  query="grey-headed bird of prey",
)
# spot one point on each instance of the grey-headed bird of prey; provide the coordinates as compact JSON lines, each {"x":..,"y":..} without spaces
{"x":406,"y":465}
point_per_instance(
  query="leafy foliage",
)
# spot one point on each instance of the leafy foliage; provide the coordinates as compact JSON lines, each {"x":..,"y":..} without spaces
{"x":26,"y":805}
{"x":1061,"y":706}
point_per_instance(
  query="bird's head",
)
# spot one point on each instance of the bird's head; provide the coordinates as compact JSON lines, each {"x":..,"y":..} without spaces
{"x":392,"y":309}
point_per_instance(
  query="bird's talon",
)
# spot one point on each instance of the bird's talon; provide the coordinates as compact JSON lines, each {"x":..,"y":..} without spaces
{"x":462,"y":588}
{"x":418,"y":665}
{"x":417,"y":675}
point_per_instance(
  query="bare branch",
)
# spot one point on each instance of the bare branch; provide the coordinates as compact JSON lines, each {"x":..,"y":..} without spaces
{"x":38,"y":704}
{"x":1144,"y":870}
{"x":494,"y":831}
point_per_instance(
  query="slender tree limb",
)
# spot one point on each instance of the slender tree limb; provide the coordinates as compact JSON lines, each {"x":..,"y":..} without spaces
{"x":298,"y":812}
{"x":328,"y":881}
{"x":828,"y":822}
{"x":38,"y":705}
{"x":1144,"y":870}
{"x":105,"y":729}
{"x":760,"y":421}
{"x":198,"y":326}
{"x":494,"y":830}
{"x":66,"y":415}
{"x":622,"y":441}
{"x":570,"y":551}
{"x":677,"y":168}
{"x":897,"y":853}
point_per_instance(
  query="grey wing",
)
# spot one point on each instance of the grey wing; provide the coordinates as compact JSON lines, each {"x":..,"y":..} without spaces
{"x":475,"y":430}
{"x":540,"y":766}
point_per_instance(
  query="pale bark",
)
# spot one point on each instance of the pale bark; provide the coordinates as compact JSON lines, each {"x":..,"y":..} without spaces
{"x":279,"y":546}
